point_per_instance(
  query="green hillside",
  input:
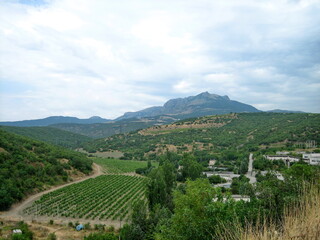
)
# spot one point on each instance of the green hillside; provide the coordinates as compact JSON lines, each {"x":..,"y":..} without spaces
{"x":213,"y":134}
{"x":51,"y":135}
{"x":28,"y":166}
{"x":100,"y":130}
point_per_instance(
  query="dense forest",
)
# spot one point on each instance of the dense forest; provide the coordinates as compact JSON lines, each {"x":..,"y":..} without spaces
{"x":28,"y":165}
{"x":50,"y":135}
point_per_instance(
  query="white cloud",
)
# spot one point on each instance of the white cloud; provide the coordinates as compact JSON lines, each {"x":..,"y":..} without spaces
{"x":83,"y":58}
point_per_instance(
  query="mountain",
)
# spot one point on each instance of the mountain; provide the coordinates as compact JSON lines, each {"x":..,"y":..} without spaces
{"x":193,"y":106}
{"x":54,"y":120}
{"x":50,"y":135}
{"x":284,"y":111}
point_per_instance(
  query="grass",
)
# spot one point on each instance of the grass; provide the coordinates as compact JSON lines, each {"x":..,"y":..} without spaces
{"x":114,"y":166}
{"x":301,"y":222}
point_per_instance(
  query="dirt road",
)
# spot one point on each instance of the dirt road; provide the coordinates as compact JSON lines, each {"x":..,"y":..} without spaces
{"x":16,"y":210}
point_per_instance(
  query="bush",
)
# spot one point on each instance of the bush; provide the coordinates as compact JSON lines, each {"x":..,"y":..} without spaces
{"x":52,"y":236}
{"x":101,"y":236}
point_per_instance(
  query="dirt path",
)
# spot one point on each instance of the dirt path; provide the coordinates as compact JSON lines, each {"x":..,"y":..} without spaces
{"x":16,"y":210}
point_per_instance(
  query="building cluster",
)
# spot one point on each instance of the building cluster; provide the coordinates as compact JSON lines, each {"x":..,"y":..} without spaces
{"x":310,"y":158}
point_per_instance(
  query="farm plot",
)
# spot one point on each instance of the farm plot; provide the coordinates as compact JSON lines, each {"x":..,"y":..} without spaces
{"x":107,"y":197}
{"x":111,"y":165}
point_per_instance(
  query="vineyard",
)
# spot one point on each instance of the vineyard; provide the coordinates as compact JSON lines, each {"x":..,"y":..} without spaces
{"x":107,"y":197}
{"x":111,"y":165}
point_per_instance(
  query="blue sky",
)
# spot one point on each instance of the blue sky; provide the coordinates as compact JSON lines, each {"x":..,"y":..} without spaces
{"x":83,"y":58}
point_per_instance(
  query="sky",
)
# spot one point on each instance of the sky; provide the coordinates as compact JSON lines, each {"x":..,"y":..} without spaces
{"x":103,"y":58}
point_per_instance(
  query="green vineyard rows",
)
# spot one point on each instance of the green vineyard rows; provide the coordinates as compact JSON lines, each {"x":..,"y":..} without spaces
{"x":105,"y":197}
{"x":112,"y":165}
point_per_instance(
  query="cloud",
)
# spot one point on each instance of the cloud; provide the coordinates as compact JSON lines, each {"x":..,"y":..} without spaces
{"x":84,"y":58}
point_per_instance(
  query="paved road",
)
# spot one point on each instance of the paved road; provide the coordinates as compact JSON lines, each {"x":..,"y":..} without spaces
{"x":250,"y":164}
{"x":250,"y":174}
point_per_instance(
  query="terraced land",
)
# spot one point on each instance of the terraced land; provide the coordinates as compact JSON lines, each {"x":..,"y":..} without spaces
{"x":107,"y":197}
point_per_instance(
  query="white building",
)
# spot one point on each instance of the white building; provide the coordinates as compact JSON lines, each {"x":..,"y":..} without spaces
{"x":312,"y":158}
{"x":212,"y":162}
{"x":284,"y":158}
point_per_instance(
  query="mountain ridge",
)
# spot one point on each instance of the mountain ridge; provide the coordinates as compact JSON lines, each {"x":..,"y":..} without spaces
{"x":44,"y":122}
{"x":193,"y":106}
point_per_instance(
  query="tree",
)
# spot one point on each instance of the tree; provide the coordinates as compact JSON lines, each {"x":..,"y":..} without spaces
{"x":215,"y":179}
{"x":190,"y":167}
{"x":199,"y":214}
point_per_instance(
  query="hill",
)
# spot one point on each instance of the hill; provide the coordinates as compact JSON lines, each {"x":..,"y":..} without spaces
{"x":213,"y":134}
{"x":100,"y":130}
{"x":54,"y":120}
{"x":50,"y":135}
{"x":28,"y":166}
{"x":193,"y":106}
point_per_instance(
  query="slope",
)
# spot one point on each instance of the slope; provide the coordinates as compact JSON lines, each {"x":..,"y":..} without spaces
{"x":50,"y":135}
{"x":28,"y":166}
{"x":100,"y":130}
{"x":211,"y":134}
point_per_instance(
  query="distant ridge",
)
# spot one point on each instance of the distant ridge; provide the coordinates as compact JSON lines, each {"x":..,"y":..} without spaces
{"x":284,"y":111}
{"x":194,"y":106}
{"x":54,"y":120}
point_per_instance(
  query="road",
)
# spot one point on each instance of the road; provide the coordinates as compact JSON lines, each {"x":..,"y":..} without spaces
{"x":250,"y":164}
{"x":250,"y":174}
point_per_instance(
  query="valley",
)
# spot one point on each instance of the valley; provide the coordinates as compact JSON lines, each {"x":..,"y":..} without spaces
{"x":214,"y":167}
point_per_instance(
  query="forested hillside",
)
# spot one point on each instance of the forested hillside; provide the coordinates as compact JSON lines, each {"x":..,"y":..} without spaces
{"x":211,"y":134}
{"x":28,"y":166}
{"x":100,"y":130}
{"x":51,"y":135}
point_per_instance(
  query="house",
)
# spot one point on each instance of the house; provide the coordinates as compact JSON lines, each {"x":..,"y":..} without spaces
{"x":312,"y":158}
{"x":212,"y":163}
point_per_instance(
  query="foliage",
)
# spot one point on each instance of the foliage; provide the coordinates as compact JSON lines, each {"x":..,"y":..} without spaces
{"x":27,"y":165}
{"x":237,"y":132}
{"x":160,"y":186}
{"x":26,"y":233}
{"x":112,"y":165}
{"x":196,"y":215}
{"x":101,"y":236}
{"x":50,"y":135}
{"x":190,"y":168}
{"x":215,"y":179}
{"x":52,"y":236}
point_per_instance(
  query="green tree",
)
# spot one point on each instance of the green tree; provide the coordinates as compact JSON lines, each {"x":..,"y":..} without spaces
{"x":199,"y":214}
{"x":190,"y":167}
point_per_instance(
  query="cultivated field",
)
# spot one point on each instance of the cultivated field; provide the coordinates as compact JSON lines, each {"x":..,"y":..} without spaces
{"x":107,"y":197}
{"x":111,"y":165}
